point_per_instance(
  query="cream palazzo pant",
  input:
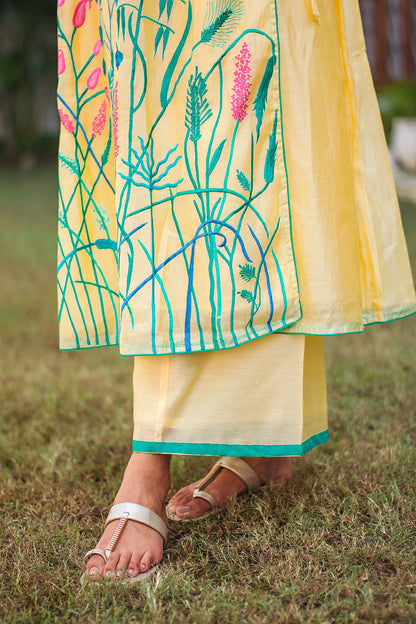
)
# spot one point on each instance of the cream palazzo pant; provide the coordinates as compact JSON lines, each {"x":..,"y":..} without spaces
{"x":266,"y":398}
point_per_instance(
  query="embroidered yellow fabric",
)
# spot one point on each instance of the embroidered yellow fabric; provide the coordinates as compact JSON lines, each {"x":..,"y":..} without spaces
{"x":223,"y":175}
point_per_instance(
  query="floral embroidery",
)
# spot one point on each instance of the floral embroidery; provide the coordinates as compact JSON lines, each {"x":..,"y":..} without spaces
{"x":201,"y":186}
{"x":78,"y":18}
{"x":61,"y":62}
{"x":67,"y":123}
{"x":93,"y":78}
{"x":100,"y":120}
{"x":242,"y":84}
{"x":115,"y":120}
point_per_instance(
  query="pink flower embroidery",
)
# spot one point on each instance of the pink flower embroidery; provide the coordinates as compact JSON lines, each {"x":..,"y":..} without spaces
{"x":79,"y":14}
{"x":93,"y":78}
{"x":67,"y":123}
{"x":61,"y":62}
{"x":97,"y":48}
{"x":242,"y":84}
{"x":115,"y":120}
{"x":61,"y":3}
{"x":100,"y":120}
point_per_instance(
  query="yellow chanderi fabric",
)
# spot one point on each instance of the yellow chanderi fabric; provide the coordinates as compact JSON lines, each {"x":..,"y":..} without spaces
{"x":266,"y":398}
{"x":223,"y":175}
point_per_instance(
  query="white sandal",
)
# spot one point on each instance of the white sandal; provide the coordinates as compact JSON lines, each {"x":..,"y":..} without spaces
{"x":125,"y":512}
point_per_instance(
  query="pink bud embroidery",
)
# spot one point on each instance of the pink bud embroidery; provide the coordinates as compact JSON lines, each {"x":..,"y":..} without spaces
{"x":79,"y":14}
{"x":93,"y":78}
{"x":97,"y":48}
{"x":61,"y":62}
{"x":242,"y":84}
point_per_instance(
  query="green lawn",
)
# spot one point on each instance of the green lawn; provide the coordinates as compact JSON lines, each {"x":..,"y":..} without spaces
{"x":336,"y":544}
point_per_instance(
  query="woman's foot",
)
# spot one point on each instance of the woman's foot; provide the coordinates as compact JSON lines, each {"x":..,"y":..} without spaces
{"x":226,"y":485}
{"x":146,"y":482}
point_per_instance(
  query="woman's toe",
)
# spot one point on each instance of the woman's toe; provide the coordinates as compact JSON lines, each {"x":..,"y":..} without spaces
{"x":182,"y":496}
{"x":196,"y":507}
{"x":123,"y":564}
{"x":112,"y":565}
{"x":146,"y":562}
{"x":95,"y":567}
{"x":133,"y":568}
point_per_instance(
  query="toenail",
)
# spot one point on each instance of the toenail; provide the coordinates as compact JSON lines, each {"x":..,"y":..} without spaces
{"x":185,"y":510}
{"x":131,"y":572}
{"x":93,"y":571}
{"x":119,"y":573}
{"x":108,"y":574}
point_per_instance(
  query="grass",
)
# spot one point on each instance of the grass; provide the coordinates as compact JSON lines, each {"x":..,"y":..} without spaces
{"x":336,"y":544}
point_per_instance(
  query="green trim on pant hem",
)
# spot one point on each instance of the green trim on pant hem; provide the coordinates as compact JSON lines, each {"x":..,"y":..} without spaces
{"x":232,"y":450}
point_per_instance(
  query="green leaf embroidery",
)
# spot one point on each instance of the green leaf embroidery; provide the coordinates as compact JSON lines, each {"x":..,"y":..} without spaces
{"x":271,"y":154}
{"x":247,"y":272}
{"x":242,"y":178}
{"x":216,"y":156}
{"x":247,"y":295}
{"x":198,"y":110}
{"x":259,"y":105}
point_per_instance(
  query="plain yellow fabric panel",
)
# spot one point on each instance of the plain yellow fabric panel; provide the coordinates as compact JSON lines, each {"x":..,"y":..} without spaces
{"x":385,"y":268}
{"x":271,"y":391}
{"x":349,"y":245}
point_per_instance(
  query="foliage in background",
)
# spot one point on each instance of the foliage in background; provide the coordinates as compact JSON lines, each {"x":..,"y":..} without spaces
{"x":27,"y":74}
{"x":396,"y":100}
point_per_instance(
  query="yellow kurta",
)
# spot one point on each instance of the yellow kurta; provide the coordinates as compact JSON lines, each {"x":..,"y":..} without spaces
{"x":224,"y":175}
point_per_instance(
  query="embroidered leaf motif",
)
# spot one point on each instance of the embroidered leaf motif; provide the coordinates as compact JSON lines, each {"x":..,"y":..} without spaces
{"x":247,"y":295}
{"x":106,"y":152}
{"x":271,"y":154}
{"x":106,"y":243}
{"x":158,"y":38}
{"x":102,"y":218}
{"x":216,"y":156}
{"x":121,"y":20}
{"x":221,"y":19}
{"x":69,"y":163}
{"x":198,"y":110}
{"x":259,"y":105}
{"x":165,"y":40}
{"x":162,"y":4}
{"x":242,"y":178}
{"x":247,"y":272}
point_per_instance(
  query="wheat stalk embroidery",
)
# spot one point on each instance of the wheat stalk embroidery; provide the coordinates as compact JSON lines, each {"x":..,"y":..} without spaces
{"x":221,"y":18}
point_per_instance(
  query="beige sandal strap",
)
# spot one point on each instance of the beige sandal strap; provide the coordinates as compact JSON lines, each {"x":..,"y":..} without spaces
{"x":236,"y":465}
{"x":206,"y":496}
{"x":138,"y":513}
{"x":242,"y":470}
{"x":95,"y":551}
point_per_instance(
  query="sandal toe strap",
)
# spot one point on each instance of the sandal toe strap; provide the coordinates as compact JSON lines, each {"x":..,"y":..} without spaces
{"x":206,"y":496}
{"x":95,"y":551}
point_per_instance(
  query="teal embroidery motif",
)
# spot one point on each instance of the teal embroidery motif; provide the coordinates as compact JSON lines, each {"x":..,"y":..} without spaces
{"x":186,"y":207}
